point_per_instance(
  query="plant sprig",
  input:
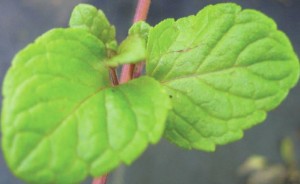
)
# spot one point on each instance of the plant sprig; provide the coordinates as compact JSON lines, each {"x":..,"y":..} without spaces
{"x":208,"y":77}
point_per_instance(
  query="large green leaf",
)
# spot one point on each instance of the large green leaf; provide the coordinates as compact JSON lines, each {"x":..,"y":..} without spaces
{"x":62,"y":120}
{"x":89,"y":18}
{"x":223,"y":68}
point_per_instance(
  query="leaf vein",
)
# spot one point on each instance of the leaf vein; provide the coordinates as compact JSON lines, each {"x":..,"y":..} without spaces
{"x":60,"y":124}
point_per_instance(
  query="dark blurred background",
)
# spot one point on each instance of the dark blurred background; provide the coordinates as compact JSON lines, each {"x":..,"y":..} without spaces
{"x":21,"y":21}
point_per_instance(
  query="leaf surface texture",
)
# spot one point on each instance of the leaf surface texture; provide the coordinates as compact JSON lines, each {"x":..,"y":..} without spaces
{"x":62,"y":120}
{"x":223,"y":69}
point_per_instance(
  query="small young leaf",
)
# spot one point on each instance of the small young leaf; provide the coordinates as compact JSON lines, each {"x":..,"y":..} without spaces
{"x":87,"y":17}
{"x":141,"y":28}
{"x":131,"y":50}
{"x":61,"y":120}
{"x":223,"y":69}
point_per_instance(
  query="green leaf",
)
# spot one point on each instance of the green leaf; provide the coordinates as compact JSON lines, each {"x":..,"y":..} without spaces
{"x":61,"y":119}
{"x":223,"y":69}
{"x":89,"y":18}
{"x":131,"y":50}
{"x":141,"y":28}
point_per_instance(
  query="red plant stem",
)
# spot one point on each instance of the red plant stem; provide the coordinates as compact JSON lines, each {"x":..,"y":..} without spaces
{"x":127,"y":70}
{"x":100,"y":180}
{"x":141,"y":13}
{"x":126,"y":73}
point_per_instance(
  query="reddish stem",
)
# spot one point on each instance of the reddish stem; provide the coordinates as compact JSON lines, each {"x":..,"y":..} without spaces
{"x":141,"y":13}
{"x":126,"y":73}
{"x":128,"y":70}
{"x":100,"y":180}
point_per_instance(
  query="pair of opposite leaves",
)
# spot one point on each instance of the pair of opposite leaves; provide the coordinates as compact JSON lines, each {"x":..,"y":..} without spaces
{"x":208,"y":77}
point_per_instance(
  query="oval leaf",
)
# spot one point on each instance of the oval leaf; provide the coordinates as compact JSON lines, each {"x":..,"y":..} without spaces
{"x":223,"y":69}
{"x":61,"y":120}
